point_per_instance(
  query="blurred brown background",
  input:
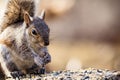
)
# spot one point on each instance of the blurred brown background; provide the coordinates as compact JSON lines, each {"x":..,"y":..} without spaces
{"x":84,"y":33}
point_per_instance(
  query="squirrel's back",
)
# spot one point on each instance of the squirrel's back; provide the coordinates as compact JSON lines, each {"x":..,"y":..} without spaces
{"x":15,"y":10}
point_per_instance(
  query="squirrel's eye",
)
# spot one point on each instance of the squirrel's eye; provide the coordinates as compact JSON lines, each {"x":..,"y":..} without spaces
{"x":34,"y":32}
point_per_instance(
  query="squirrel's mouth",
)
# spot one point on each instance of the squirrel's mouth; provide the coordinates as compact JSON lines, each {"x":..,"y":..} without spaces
{"x":41,"y":44}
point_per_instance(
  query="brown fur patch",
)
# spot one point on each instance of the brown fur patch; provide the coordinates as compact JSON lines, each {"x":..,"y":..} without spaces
{"x":6,"y":42}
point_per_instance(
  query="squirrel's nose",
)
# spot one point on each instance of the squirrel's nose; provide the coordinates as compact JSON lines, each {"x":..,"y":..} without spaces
{"x":46,"y":43}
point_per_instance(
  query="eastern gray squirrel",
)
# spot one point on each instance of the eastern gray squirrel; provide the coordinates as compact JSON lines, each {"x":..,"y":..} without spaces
{"x":23,"y":39}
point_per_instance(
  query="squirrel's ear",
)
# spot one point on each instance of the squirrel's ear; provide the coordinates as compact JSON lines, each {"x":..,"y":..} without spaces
{"x":42,"y":16}
{"x":27,"y":19}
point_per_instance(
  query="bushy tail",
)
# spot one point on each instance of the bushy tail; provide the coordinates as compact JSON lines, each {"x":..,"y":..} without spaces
{"x":14,"y":12}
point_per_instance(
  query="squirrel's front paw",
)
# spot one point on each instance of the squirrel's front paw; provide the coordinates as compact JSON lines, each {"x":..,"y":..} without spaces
{"x":39,"y":61}
{"x":47,"y":58}
{"x":17,"y":74}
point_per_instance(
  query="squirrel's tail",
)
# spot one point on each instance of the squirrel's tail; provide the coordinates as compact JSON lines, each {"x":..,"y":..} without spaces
{"x":15,"y":10}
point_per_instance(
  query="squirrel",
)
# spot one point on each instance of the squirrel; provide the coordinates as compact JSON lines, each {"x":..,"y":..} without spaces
{"x":23,"y":39}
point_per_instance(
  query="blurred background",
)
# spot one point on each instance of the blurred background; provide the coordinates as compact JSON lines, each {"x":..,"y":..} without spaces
{"x":84,"y":33}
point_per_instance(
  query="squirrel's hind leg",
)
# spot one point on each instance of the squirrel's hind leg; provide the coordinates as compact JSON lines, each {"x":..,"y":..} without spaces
{"x":3,"y":60}
{"x":9,"y":67}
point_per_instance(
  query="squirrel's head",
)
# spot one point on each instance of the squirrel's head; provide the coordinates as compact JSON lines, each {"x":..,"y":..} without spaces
{"x":37,"y":30}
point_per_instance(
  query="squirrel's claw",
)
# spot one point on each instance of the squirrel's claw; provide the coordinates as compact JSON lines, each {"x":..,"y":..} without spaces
{"x":17,"y":74}
{"x":42,"y":71}
{"x":39,"y":71}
